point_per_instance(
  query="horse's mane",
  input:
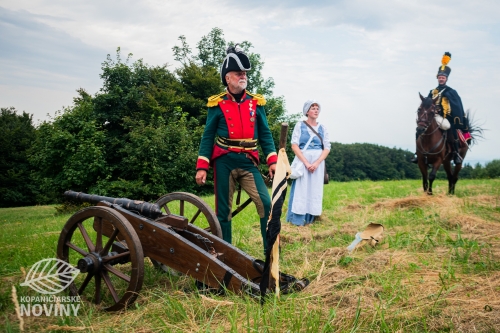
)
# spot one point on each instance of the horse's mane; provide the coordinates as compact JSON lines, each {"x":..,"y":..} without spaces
{"x":427,"y":102}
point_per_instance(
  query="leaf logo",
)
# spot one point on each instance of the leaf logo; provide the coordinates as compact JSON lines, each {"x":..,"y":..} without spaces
{"x":50,"y":276}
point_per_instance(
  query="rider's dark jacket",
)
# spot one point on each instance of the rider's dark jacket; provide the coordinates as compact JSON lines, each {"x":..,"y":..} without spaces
{"x":450,"y":106}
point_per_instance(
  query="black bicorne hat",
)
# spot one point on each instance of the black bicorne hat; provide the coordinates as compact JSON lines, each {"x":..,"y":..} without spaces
{"x":235,"y":60}
{"x":443,"y":69}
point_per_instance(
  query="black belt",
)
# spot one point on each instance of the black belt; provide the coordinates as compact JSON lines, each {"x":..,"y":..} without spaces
{"x":237,"y":143}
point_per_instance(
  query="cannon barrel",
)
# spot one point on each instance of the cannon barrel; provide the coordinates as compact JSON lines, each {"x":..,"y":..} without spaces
{"x":144,"y":208}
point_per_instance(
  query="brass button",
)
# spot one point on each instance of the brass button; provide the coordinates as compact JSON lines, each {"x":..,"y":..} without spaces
{"x":232,"y":125}
{"x":227,"y":110}
{"x":223,"y":102}
{"x":232,"y":132}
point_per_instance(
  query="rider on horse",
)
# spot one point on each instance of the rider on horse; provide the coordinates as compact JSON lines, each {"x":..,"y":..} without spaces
{"x":449,"y":106}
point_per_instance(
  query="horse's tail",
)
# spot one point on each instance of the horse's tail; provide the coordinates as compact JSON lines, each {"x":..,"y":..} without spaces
{"x":475,"y":128}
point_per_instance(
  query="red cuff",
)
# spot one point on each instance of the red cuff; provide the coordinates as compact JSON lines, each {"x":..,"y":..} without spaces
{"x":273,"y":159}
{"x":202,"y":163}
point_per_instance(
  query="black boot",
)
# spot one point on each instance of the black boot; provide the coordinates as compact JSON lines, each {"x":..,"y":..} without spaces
{"x":457,"y":159}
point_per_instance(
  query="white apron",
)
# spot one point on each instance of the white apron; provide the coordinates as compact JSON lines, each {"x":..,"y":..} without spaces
{"x":308,"y":190}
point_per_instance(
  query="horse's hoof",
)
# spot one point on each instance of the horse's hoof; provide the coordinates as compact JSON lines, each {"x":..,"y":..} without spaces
{"x":429,"y":193}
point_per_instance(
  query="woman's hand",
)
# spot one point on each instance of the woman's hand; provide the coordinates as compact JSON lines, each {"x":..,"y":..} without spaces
{"x":313,"y":167}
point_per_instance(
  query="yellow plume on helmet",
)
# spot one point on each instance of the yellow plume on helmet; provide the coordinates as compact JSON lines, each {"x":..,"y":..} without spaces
{"x":446,"y":59}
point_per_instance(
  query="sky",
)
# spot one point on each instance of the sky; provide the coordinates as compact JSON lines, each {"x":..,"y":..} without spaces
{"x":364,"y":61}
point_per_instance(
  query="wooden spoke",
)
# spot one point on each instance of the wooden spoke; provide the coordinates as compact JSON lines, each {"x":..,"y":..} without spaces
{"x":120,"y":255}
{"x":110,"y":241}
{"x":181,"y":208}
{"x":77,"y":249}
{"x":86,"y":237}
{"x":85,"y":283}
{"x":109,"y":284}
{"x":98,"y":240}
{"x":195,"y":216}
{"x":116,"y":272}
{"x":166,"y":209}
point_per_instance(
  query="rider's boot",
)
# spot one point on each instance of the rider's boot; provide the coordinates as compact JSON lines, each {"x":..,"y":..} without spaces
{"x":457,"y":159}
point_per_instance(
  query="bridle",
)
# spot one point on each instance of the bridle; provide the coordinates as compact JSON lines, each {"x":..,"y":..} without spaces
{"x":431,"y":111}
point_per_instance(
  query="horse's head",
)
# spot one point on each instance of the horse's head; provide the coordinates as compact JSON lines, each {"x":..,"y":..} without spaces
{"x":425,"y":113}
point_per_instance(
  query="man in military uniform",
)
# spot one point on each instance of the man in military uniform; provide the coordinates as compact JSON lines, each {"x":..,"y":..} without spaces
{"x":236,"y":122}
{"x":449,"y":105}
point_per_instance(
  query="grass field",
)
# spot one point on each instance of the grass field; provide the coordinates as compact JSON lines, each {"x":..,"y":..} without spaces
{"x":436,"y":270}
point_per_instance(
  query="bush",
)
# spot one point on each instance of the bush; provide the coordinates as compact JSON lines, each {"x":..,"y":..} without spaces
{"x":18,"y":133}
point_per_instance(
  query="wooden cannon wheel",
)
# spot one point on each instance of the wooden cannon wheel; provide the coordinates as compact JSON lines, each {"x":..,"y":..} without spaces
{"x":196,"y":210}
{"x":103,"y":245}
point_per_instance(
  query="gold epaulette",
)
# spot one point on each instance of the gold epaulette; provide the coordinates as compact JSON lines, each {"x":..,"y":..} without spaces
{"x":435,"y":92}
{"x":260,"y":99}
{"x":215,"y":99}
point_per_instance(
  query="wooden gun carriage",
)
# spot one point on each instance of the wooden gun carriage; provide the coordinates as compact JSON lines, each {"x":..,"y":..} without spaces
{"x":108,"y":243}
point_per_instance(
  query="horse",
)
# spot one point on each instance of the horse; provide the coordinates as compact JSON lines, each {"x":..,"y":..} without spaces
{"x":434,"y":147}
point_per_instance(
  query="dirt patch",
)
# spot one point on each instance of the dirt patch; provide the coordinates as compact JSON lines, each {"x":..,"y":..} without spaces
{"x":473,"y":224}
{"x":491,"y":201}
{"x":354,"y":207}
{"x":413,"y":202}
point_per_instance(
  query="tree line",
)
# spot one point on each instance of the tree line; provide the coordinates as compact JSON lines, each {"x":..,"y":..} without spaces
{"x":138,"y":136}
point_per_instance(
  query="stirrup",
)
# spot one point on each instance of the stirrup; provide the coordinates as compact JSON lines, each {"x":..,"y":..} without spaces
{"x":457,"y":159}
{"x":414,"y":160}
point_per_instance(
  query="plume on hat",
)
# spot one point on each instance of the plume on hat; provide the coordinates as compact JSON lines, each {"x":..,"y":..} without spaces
{"x":234,"y":49}
{"x":446,"y":59}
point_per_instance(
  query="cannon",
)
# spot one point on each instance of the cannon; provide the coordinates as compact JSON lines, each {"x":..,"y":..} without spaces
{"x":109,"y":241}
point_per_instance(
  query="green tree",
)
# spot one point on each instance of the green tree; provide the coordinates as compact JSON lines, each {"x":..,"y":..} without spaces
{"x":369,"y":161}
{"x":69,"y":152}
{"x":212,"y":49}
{"x":492,"y":169}
{"x":18,"y":132}
{"x":478,"y":171}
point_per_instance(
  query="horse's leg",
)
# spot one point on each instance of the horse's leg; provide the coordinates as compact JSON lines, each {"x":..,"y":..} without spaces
{"x":423,"y":169}
{"x":449,"y":174}
{"x":453,"y":176}
{"x":432,"y":176}
{"x":456,"y":170}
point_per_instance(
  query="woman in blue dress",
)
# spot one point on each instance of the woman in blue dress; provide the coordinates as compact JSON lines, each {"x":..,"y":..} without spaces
{"x":306,"y":195}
